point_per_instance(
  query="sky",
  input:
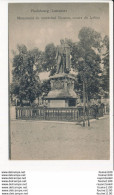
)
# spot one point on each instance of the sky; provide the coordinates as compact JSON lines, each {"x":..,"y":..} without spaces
{"x":37,"y":33}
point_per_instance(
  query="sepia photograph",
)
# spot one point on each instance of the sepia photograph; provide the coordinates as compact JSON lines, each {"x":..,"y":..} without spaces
{"x":59,"y":81}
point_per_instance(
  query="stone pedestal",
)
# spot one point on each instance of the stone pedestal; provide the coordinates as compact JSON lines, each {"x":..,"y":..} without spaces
{"x":62,"y":92}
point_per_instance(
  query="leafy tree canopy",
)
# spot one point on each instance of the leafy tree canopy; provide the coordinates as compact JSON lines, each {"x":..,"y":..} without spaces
{"x":49,"y":58}
{"x":26,"y":83}
{"x":105,"y":61}
{"x":86,"y":60}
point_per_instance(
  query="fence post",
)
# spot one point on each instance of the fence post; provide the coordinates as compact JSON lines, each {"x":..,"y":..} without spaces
{"x":105,"y":109}
{"x":16,"y":111}
{"x":77,"y":115}
{"x":73,"y":114}
{"x":61,"y":114}
{"x":44,"y":113}
{"x":58,"y":114}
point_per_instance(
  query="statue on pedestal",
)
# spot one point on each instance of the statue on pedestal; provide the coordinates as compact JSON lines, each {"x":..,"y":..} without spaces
{"x":63,"y":58}
{"x":62,"y":92}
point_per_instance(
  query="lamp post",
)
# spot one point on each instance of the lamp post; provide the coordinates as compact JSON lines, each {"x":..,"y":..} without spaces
{"x":81,"y":60}
{"x":84,"y":101}
{"x":88,"y":110}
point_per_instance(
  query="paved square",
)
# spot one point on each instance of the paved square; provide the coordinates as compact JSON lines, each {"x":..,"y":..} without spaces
{"x":35,"y":140}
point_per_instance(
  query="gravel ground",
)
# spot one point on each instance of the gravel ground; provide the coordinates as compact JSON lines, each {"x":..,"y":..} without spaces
{"x":35,"y":140}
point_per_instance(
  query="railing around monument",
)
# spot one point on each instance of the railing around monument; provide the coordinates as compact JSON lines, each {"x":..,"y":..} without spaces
{"x":56,"y":114}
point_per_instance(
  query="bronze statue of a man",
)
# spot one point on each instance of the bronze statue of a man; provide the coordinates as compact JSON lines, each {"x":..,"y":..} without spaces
{"x":63,"y":58}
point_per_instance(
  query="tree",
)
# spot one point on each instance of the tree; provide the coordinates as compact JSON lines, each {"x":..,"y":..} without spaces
{"x":38,"y":57}
{"x":49,"y":59}
{"x":105,"y":61}
{"x":86,"y":59}
{"x":25,"y":83}
{"x":45,"y":87}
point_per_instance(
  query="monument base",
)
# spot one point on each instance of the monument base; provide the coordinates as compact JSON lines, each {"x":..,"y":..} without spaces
{"x":61,"y":103}
{"x":62,"y":92}
{"x":56,"y":103}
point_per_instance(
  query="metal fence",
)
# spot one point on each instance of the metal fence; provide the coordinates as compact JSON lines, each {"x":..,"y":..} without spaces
{"x":59,"y":114}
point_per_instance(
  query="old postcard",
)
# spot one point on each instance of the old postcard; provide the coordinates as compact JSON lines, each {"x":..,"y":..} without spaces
{"x":59,"y":92}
